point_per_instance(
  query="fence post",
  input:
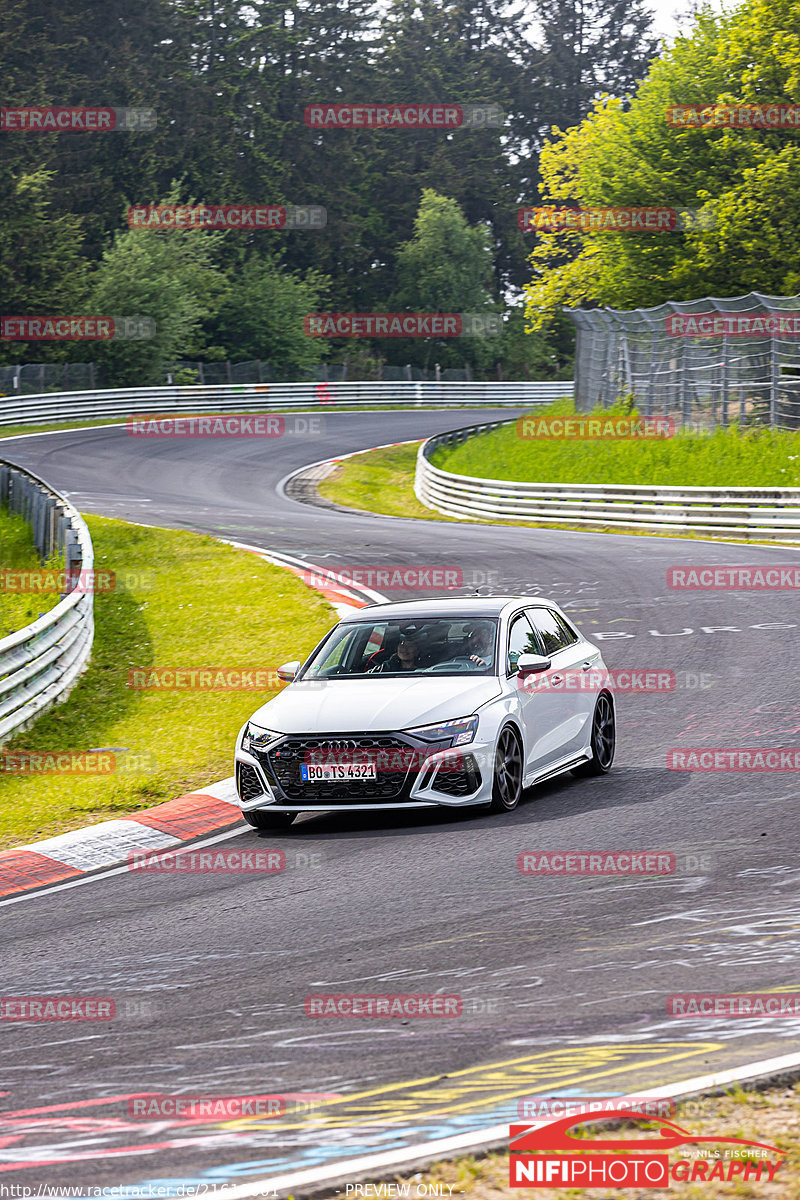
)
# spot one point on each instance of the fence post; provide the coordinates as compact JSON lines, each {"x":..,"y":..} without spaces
{"x":774,"y":381}
{"x":649,"y":403}
{"x":684,"y":380}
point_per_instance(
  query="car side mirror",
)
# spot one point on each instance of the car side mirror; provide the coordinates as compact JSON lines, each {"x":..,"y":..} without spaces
{"x":532,"y":664}
{"x":288,"y":671}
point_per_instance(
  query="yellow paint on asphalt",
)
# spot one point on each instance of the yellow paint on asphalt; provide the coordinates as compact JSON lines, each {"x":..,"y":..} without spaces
{"x":447,"y":1095}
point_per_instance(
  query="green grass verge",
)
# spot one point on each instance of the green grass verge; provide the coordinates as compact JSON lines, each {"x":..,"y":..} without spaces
{"x":17,"y":553}
{"x":187,"y":601}
{"x":382,"y":481}
{"x":749,"y":457}
{"x":378,"y":481}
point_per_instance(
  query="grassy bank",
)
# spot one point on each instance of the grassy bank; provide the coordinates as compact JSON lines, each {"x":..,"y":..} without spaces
{"x":733,"y":457}
{"x":378,"y":481}
{"x":182,"y":600}
{"x":17,"y":553}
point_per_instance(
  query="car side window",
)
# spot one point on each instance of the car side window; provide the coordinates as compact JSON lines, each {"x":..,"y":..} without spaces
{"x":554,"y":635}
{"x":572,"y":636}
{"x":521,"y":640}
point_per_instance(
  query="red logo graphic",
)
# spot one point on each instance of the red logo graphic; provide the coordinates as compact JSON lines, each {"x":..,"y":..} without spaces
{"x":643,"y":1163}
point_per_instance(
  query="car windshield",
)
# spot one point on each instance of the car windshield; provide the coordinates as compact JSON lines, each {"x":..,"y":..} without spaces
{"x":393,"y":647}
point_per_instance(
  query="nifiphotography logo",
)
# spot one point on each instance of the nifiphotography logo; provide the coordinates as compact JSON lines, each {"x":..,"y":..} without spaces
{"x":550,"y":1156}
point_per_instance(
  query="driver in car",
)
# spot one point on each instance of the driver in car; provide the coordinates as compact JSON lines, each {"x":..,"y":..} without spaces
{"x":478,"y":645}
{"x":405,"y":657}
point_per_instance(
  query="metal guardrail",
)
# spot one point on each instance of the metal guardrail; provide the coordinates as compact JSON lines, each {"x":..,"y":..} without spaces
{"x":740,"y":512}
{"x":40,"y":664}
{"x":123,"y":402}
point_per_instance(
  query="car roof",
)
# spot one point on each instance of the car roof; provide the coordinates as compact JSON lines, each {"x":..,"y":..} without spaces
{"x":450,"y":606}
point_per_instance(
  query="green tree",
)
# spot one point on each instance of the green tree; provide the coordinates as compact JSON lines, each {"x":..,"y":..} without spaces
{"x":172,"y":277}
{"x":262,"y":317}
{"x":742,"y":181}
{"x":41,"y":268}
{"x":445,"y":267}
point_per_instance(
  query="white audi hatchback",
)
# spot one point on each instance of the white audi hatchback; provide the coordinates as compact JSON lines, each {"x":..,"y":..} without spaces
{"x":449,"y":703}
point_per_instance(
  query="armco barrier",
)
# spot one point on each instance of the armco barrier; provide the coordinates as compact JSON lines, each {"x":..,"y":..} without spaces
{"x":123,"y":402}
{"x":756,"y":513}
{"x":40,"y":663}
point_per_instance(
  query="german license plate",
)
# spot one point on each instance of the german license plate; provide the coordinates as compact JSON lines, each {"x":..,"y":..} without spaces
{"x":327,"y":772}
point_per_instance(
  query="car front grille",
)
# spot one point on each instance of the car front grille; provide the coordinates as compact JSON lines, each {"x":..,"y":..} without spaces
{"x":462,"y":781}
{"x":396,"y":762}
{"x":248,"y":784}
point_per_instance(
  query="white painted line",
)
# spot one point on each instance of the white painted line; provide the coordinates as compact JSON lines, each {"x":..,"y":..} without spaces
{"x":103,"y":844}
{"x":12,"y":437}
{"x":279,"y":559}
{"x":366,"y":1166}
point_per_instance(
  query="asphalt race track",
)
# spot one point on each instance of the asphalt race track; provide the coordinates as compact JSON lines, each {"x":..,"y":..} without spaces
{"x":564,"y":980}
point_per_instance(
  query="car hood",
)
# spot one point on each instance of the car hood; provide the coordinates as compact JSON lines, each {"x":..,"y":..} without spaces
{"x":372,"y":705}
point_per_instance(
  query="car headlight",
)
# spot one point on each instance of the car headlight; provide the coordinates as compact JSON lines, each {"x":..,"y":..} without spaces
{"x":256,"y":738}
{"x":449,"y":733}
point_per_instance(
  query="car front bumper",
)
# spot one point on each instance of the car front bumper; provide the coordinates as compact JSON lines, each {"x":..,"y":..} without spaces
{"x":452,"y":778}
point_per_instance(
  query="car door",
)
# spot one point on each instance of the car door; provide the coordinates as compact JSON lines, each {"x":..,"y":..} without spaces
{"x":570,"y":680}
{"x":539,"y":709}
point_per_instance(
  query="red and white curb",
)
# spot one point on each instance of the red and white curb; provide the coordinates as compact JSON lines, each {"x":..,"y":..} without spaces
{"x":163,"y":827}
{"x":69,"y":855}
{"x":343,"y":598}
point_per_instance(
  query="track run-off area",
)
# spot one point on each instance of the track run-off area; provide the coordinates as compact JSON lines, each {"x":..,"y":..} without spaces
{"x":564,"y":980}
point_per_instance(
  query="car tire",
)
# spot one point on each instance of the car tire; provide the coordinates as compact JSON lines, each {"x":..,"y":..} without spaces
{"x":259,"y":818}
{"x":604,"y":739}
{"x":507,"y":782}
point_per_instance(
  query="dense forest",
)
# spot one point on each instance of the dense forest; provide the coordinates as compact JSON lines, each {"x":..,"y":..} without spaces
{"x":417,"y":220}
